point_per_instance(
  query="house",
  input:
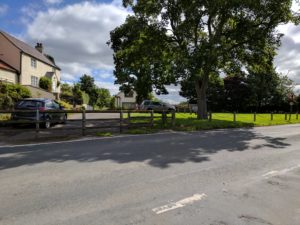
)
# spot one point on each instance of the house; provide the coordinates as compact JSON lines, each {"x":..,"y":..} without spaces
{"x":126,"y":100}
{"x":25,"y":65}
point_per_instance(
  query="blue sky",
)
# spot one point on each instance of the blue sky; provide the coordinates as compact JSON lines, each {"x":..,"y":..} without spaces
{"x":75,"y":32}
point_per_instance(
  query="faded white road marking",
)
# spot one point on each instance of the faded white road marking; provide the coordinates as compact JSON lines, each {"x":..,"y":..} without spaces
{"x":280,"y":172}
{"x":179,"y":204}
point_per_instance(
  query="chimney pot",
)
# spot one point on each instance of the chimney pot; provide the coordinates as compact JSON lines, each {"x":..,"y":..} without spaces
{"x":39,"y":47}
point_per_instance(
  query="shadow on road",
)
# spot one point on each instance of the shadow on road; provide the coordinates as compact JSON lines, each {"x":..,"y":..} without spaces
{"x":158,"y":150}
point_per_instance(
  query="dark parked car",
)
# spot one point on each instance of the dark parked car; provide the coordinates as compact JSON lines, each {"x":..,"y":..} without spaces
{"x":44,"y":106}
{"x":155,"y":105}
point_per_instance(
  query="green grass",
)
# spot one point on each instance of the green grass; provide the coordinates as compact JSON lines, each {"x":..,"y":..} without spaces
{"x":104,"y":134}
{"x":4,"y":116}
{"x":189,"y":122}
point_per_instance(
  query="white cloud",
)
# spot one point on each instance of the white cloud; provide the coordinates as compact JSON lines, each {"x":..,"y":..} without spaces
{"x":287,"y":61}
{"x":105,"y":75}
{"x":3,"y":9}
{"x":53,"y":2}
{"x":113,"y":88}
{"x":76,"y":35}
{"x":173,"y":97}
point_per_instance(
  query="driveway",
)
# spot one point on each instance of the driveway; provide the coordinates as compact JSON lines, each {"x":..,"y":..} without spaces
{"x":108,"y":122}
{"x":234,"y":177}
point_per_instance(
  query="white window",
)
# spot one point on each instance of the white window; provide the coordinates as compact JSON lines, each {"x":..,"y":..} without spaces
{"x":54,"y":84}
{"x":33,"y":63}
{"x":34,"y":81}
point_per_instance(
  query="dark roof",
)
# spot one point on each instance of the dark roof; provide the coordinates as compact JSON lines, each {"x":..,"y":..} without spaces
{"x":5,"y":66}
{"x":28,"y":49}
{"x":50,"y":74}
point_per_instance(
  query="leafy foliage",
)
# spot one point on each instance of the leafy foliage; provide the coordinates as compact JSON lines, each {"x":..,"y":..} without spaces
{"x":12,"y":93}
{"x":172,"y":41}
{"x":87,"y":84}
{"x":45,"y":83}
{"x":77,"y":95}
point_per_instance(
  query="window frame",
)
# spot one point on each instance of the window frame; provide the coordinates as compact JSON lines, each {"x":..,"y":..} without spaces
{"x":33,"y":63}
{"x":34,"y":81}
{"x":130,"y":94}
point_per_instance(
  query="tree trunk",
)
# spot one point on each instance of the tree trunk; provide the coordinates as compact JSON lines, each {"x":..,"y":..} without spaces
{"x":201,"y":87}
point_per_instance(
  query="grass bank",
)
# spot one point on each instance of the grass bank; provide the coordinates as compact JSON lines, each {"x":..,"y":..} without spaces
{"x":189,"y":122}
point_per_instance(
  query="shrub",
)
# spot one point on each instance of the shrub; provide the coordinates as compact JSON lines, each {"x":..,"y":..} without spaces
{"x":45,"y":83}
{"x":66,"y":105}
{"x":85,"y":98}
{"x":6,"y":102}
{"x":11,"y":93}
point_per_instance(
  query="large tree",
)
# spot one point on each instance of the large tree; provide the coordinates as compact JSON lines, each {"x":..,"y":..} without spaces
{"x":87,"y":84}
{"x":191,"y":40}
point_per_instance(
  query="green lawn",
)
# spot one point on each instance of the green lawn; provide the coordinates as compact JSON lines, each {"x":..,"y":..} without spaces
{"x":189,"y":122}
{"x":4,"y":116}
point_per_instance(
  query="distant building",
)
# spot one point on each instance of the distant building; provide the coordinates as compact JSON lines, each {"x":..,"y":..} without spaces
{"x":126,"y":100}
{"x":25,"y":65}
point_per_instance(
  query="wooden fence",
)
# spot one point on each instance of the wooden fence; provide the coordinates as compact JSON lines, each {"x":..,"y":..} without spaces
{"x":127,"y":119}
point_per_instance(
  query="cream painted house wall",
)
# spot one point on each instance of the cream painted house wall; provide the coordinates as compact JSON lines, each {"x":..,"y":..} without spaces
{"x":121,"y":101}
{"x":40,"y":71}
{"x":8,"y":76}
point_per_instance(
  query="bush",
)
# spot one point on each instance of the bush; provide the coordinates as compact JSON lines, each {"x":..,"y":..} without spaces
{"x":6,"y":102}
{"x":12,"y":93}
{"x":45,"y":83}
{"x":66,"y":105}
{"x":85,"y":98}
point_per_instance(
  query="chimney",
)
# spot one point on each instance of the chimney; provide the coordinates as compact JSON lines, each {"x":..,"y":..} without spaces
{"x":39,"y":47}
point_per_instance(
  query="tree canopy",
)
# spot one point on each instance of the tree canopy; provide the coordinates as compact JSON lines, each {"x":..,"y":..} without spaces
{"x":171,"y":41}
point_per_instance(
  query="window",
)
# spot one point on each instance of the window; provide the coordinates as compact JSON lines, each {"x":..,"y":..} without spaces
{"x":29,"y":104}
{"x":33,"y":63}
{"x":54,"y":84}
{"x":156,"y":103}
{"x":129,"y":94}
{"x":49,"y":105}
{"x":34,"y":81}
{"x":55,"y":105}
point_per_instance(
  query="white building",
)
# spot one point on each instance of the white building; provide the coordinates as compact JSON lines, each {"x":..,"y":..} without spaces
{"x":25,"y":65}
{"x":126,"y":100}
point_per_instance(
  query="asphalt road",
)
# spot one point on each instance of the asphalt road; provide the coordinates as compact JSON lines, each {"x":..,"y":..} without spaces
{"x":224,"y":177}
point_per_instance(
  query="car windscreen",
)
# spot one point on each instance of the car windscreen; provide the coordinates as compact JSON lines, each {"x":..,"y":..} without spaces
{"x":30,"y":104}
{"x":156,"y":103}
{"x":146,"y":103}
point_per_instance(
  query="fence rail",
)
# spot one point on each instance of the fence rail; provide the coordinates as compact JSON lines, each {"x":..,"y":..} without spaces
{"x":126,"y":119}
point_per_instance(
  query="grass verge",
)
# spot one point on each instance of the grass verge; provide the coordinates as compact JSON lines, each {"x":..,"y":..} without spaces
{"x":189,"y":122}
{"x":104,"y":134}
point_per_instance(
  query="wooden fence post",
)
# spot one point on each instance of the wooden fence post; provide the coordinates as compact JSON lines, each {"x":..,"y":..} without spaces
{"x":83,"y":122}
{"x":121,"y":121}
{"x":210,"y":116}
{"x":129,"y":118}
{"x":173,"y":118}
{"x":163,"y":117}
{"x":152,"y":119}
{"x":37,"y":123}
{"x":254,"y":117}
{"x":271,"y":116}
{"x":234,"y":117}
{"x":285,"y":116}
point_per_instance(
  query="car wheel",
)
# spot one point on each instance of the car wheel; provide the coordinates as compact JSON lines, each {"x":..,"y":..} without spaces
{"x":47,"y":123}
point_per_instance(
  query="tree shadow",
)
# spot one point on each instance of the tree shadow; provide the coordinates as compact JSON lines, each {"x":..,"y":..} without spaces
{"x":159,"y":150}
